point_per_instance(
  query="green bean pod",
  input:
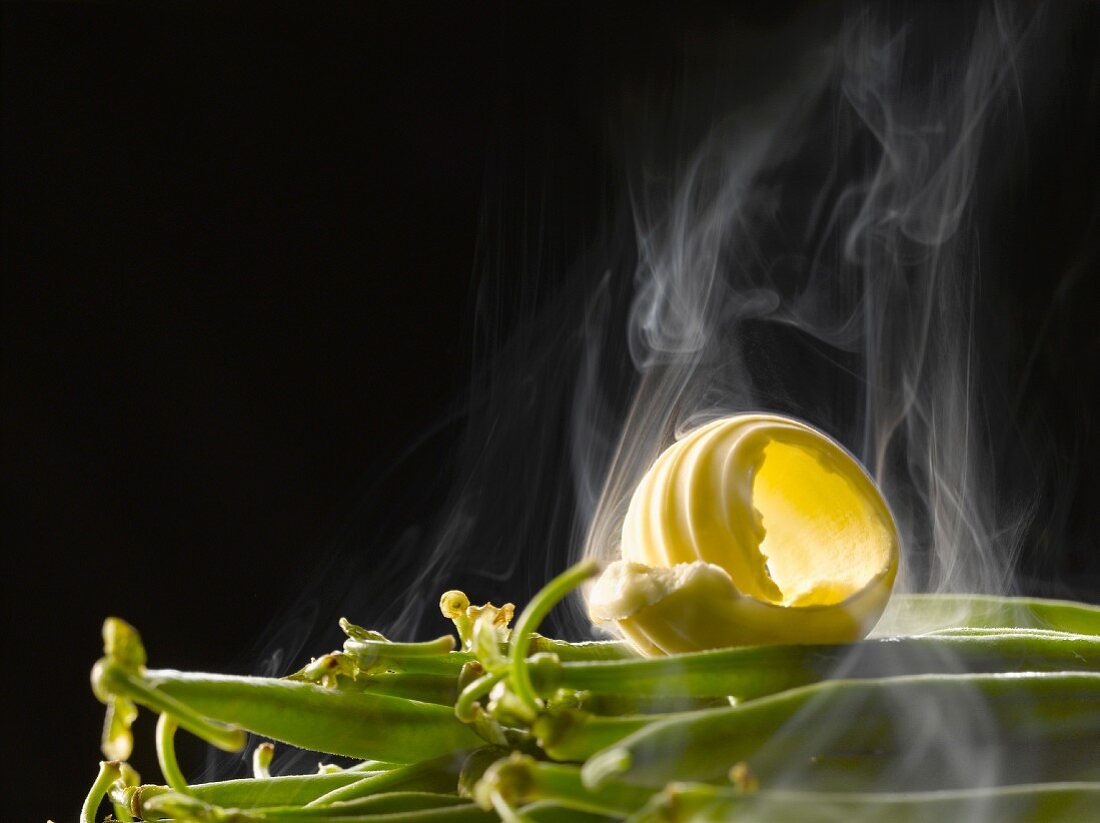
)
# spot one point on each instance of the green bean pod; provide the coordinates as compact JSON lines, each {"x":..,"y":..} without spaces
{"x":572,"y":735}
{"x":440,"y":774}
{"x":854,"y":716}
{"x":451,"y":663}
{"x":523,"y":780}
{"x":336,"y":721}
{"x":400,"y":809}
{"x":464,"y":812}
{"x":754,"y":671}
{"x":584,"y":650}
{"x":1036,"y":803}
{"x":441,"y":689}
{"x":549,"y":811}
{"x":390,"y":802}
{"x":919,"y":613}
{"x":618,"y":705}
{"x":279,"y":800}
{"x":248,"y":793}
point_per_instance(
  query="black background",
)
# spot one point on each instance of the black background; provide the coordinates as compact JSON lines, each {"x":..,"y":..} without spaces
{"x":244,"y":251}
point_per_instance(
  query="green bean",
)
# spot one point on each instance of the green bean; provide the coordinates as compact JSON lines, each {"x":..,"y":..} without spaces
{"x":523,"y":780}
{"x":389,"y":650}
{"x":464,"y":812}
{"x":862,"y":716}
{"x":754,"y":671}
{"x":584,"y":650}
{"x":917,"y":613}
{"x":113,"y":684}
{"x":382,"y":803}
{"x":571,"y":735}
{"x":1035,"y":803}
{"x":1003,"y":631}
{"x":426,"y":688}
{"x":369,"y":766}
{"x":437,"y":775}
{"x":461,"y":813}
{"x":946,"y":764}
{"x":907,"y":614}
{"x":451,"y":664}
{"x":285,"y":790}
{"x":189,"y":808}
{"x":619,"y":705}
{"x":336,"y":721}
{"x":548,"y":811}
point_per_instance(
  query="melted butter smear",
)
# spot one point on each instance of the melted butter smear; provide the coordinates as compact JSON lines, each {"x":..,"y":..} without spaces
{"x":751,"y":529}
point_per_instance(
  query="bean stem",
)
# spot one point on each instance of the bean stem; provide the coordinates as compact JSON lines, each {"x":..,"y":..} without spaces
{"x":469,"y":697}
{"x":262,"y":756}
{"x":166,"y":753}
{"x":529,"y":620}
{"x":109,"y":772}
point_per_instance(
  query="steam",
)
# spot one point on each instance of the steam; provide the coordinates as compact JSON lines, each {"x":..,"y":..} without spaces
{"x":803,"y":232}
{"x":818,"y":254}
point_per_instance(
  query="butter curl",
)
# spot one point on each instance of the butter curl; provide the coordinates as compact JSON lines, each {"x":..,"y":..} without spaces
{"x":751,"y":529}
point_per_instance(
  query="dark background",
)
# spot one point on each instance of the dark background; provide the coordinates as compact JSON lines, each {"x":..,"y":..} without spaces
{"x":256,"y":259}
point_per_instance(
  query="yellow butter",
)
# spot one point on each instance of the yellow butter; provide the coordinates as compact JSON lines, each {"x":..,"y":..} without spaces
{"x":751,"y":529}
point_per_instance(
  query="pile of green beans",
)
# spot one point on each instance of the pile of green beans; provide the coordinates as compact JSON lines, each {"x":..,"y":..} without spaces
{"x":957,"y":707}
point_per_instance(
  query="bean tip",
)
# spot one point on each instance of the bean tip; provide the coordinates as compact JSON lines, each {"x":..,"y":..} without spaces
{"x":604,"y":765}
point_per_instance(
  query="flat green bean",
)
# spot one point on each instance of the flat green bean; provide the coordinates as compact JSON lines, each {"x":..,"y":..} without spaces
{"x":584,"y":650}
{"x":1037,"y":803}
{"x":465,"y":812}
{"x":441,"y":689}
{"x":284,"y":790}
{"x":439,"y":774}
{"x":755,"y":671}
{"x":846,"y":716}
{"x":548,"y":811}
{"x":452,"y":662}
{"x":184,"y":807}
{"x":382,"y":803}
{"x":918,"y":613}
{"x":336,"y":721}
